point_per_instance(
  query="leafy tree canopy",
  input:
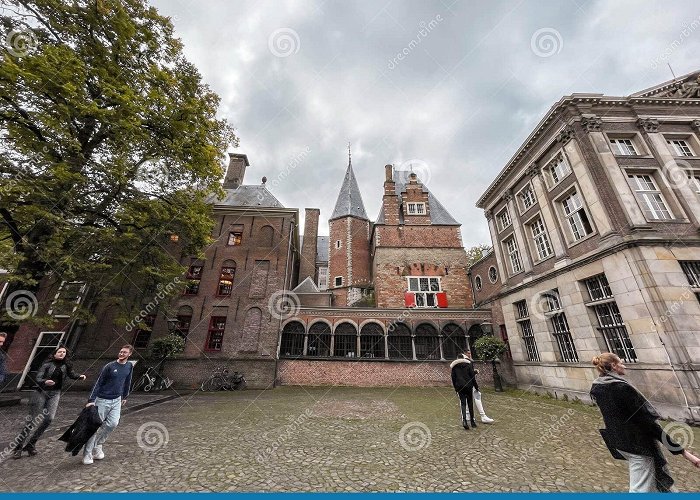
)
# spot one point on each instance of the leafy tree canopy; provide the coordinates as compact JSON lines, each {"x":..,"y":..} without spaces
{"x":476,"y":253}
{"x":109,"y":144}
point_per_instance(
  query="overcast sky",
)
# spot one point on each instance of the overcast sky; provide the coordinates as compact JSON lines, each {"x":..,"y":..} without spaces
{"x":452,"y":87}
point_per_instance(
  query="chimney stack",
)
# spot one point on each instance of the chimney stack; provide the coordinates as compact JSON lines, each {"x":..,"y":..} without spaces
{"x":236,"y":170}
{"x":307,"y":267}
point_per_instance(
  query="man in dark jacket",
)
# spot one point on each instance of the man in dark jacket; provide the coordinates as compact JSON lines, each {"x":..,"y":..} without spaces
{"x":464,"y":383}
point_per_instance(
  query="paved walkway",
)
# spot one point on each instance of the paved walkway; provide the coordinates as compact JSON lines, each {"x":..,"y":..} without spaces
{"x":343,"y":439}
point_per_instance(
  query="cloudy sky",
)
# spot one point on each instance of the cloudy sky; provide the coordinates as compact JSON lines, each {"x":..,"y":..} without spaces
{"x":451,"y":87}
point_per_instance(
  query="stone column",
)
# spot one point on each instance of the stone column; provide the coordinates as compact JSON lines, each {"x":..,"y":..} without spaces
{"x":496,"y":245}
{"x":550,"y":222}
{"x":617,"y":178}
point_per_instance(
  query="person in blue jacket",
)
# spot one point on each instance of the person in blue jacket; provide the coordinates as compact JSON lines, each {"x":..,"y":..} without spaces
{"x":109,"y":395}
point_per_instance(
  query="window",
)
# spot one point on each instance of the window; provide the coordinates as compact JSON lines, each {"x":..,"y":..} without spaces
{"x":560,"y":327}
{"x":323,"y":278}
{"x":338,"y":281}
{"x":319,"y":340}
{"x":143,"y":334}
{"x":540,"y":239}
{"x":66,"y":301}
{"x":477,"y":283}
{"x":194,"y":276}
{"x":493,"y":274}
{"x":338,"y":243}
{"x":504,"y":219}
{"x":522,"y":316}
{"x":649,"y":197}
{"x":372,"y":341}
{"x":345,"y":341}
{"x":225,"y":286}
{"x":680,"y":147}
{"x":521,"y":310}
{"x":454,"y":341}
{"x":527,"y":197}
{"x":234,"y":238}
{"x":215,"y":338}
{"x":415,"y":208}
{"x":623,"y":147}
{"x":427,"y":342}
{"x":691,"y":268}
{"x":558,"y":169}
{"x":576,"y":216}
{"x":516,"y":264}
{"x":292,"y":344}
{"x":695,"y":183}
{"x":399,"y":340}
{"x":184,"y":320}
{"x":425,"y":291}
{"x":598,"y":288}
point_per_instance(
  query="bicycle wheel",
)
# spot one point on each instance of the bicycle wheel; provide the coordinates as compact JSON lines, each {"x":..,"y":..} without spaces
{"x":148,"y":387}
{"x":209,"y":384}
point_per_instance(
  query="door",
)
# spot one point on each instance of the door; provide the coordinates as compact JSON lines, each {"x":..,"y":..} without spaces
{"x":45,"y":345}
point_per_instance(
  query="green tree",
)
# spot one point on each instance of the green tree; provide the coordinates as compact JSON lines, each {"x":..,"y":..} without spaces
{"x":489,"y":348}
{"x":109,"y":144}
{"x":476,"y":253}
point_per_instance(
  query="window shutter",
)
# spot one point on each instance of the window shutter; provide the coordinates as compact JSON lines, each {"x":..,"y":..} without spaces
{"x":441,"y":299}
{"x":409,"y":299}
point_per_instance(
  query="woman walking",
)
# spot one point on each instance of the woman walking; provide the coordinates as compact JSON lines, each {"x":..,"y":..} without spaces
{"x":464,"y":382}
{"x":50,"y":379}
{"x":632,"y":432}
{"x":477,"y":395}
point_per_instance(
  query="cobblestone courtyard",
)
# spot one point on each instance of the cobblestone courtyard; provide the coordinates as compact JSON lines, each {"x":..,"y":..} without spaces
{"x":335,"y":439}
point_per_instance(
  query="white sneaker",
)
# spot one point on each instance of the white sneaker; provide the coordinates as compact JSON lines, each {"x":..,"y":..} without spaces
{"x":97,"y":453}
{"x":87,"y":459}
{"x":484,"y":419}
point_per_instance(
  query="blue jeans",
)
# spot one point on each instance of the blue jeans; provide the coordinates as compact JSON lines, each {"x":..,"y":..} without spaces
{"x":109,"y":410}
{"x":642,"y":473}
{"x":42,"y":407}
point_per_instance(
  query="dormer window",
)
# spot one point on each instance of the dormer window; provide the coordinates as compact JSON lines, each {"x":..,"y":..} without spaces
{"x":415,"y":208}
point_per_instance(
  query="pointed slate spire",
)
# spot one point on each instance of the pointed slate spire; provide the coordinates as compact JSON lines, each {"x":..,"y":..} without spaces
{"x":349,"y":201}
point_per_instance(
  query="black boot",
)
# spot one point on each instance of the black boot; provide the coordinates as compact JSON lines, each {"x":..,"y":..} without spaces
{"x":465,"y":424}
{"x":31,"y":450}
{"x":473,"y":422}
{"x":17,"y":453}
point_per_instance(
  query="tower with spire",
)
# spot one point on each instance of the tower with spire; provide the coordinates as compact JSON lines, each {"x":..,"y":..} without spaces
{"x":349,"y":241}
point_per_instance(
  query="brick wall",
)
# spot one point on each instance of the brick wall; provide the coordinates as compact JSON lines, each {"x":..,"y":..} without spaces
{"x":308,"y":251}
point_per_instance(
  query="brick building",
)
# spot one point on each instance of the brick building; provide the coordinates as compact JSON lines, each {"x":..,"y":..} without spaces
{"x":594,"y":224}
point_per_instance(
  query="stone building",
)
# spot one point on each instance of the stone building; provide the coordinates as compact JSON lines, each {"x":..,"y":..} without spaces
{"x":594,"y":224}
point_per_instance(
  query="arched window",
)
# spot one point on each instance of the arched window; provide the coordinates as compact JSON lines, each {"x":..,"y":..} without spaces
{"x":475,"y":333}
{"x":228,"y":272}
{"x":454,"y":342}
{"x":319,"y":340}
{"x":400,"y":345}
{"x":292,"y":340}
{"x":372,"y":341}
{"x":184,"y":319}
{"x":345,"y":341}
{"x":427,"y":342}
{"x":266,"y":236}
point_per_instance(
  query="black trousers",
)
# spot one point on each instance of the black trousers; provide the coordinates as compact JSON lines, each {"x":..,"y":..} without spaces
{"x":466,"y":401}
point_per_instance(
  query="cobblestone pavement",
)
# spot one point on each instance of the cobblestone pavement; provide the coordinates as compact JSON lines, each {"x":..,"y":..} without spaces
{"x":344,"y":439}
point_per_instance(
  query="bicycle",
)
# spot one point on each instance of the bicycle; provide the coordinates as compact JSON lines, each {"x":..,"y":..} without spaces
{"x":152,"y":381}
{"x":220,"y":380}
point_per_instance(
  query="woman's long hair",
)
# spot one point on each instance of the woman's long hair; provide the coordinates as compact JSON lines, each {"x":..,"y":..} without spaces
{"x":52,"y":357}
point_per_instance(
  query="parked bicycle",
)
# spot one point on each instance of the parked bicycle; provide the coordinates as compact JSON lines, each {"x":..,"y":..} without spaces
{"x":222,"y":380}
{"x":152,"y":381}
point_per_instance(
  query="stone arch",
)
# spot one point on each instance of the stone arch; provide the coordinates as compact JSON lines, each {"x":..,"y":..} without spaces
{"x":454,"y":340}
{"x":375,"y":321}
{"x":474,"y":333}
{"x":372,"y":340}
{"x":342,"y":321}
{"x":427,"y":341}
{"x":267,"y":234}
{"x":292,"y":344}
{"x":400,"y":341}
{"x":345,"y":339}
{"x":319,"y":342}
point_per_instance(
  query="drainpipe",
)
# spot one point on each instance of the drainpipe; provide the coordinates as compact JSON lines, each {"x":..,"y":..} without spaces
{"x":284,"y":301}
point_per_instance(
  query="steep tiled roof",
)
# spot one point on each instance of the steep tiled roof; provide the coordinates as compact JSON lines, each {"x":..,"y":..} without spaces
{"x":439,"y":215}
{"x":306,"y":286}
{"x":349,"y":201}
{"x":248,"y":196}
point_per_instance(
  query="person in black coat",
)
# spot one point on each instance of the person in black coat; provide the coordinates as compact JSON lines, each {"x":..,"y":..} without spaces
{"x":631,"y":431}
{"x":82,"y":430}
{"x":50,"y":379}
{"x":464,"y":383}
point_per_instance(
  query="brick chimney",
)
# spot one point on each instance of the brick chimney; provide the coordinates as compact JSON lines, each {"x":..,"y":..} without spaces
{"x":307,"y":266}
{"x":236,"y":170}
{"x":390,"y":200}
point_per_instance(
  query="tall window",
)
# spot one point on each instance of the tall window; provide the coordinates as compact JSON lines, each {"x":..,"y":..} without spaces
{"x":194,"y":276}
{"x":454,"y":341}
{"x":319,"y":343}
{"x":522,"y":317}
{"x":649,"y":197}
{"x":576,"y":216}
{"x":610,"y":323}
{"x":680,"y":147}
{"x":695,"y":183}
{"x":558,"y":169}
{"x":416,"y":208}
{"x":504,"y":219}
{"x":225,"y":286}
{"x":399,"y":339}
{"x":184,"y":320}
{"x":292,"y":344}
{"x":425,"y":290}
{"x":372,"y":341}
{"x":427,"y":342}
{"x":560,"y":327}
{"x":323,"y":278}
{"x":623,"y":147}
{"x":691,"y":268}
{"x":67,"y":298}
{"x":527,"y":197}
{"x":143,"y":334}
{"x":540,"y":239}
{"x":516,"y":264}
{"x":215,"y":337}
{"x":345,"y":341}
